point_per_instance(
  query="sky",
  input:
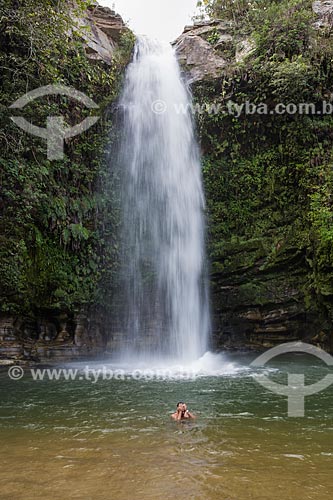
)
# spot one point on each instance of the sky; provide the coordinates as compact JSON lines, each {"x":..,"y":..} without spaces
{"x":162,"y":19}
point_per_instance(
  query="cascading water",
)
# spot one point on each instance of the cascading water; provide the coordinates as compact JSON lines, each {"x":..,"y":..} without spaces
{"x":165,"y":309}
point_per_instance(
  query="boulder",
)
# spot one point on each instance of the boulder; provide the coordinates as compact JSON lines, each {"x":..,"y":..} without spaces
{"x":199,"y":58}
{"x":206,"y":49}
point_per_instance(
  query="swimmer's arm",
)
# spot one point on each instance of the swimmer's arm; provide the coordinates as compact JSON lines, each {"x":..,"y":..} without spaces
{"x":191,"y":415}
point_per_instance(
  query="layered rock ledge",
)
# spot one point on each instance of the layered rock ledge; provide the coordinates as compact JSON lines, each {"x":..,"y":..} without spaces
{"x":101,"y":30}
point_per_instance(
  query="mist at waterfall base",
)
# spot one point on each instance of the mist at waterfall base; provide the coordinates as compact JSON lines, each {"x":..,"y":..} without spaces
{"x":164,"y":315}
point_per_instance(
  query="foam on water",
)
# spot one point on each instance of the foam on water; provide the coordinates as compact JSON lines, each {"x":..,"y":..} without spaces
{"x":208,"y":365}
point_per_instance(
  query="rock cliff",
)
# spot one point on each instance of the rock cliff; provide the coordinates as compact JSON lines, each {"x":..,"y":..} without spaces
{"x":57,"y":228}
{"x":101,"y":29}
{"x":206,"y":49}
{"x":271,"y":267}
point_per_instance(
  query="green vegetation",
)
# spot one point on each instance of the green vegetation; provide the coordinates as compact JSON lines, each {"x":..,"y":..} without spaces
{"x":58,"y":247}
{"x":269,"y":177}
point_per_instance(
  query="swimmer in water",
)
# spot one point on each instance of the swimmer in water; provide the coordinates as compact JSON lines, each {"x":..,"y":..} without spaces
{"x":182,"y":412}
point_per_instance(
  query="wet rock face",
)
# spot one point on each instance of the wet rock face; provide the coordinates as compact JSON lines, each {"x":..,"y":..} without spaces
{"x":258,"y":304}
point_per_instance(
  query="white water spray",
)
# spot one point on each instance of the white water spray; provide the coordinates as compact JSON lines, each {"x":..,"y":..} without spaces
{"x":165,"y":310}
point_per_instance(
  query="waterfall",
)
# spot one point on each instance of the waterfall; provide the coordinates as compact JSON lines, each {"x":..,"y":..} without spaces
{"x":165,"y":310}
